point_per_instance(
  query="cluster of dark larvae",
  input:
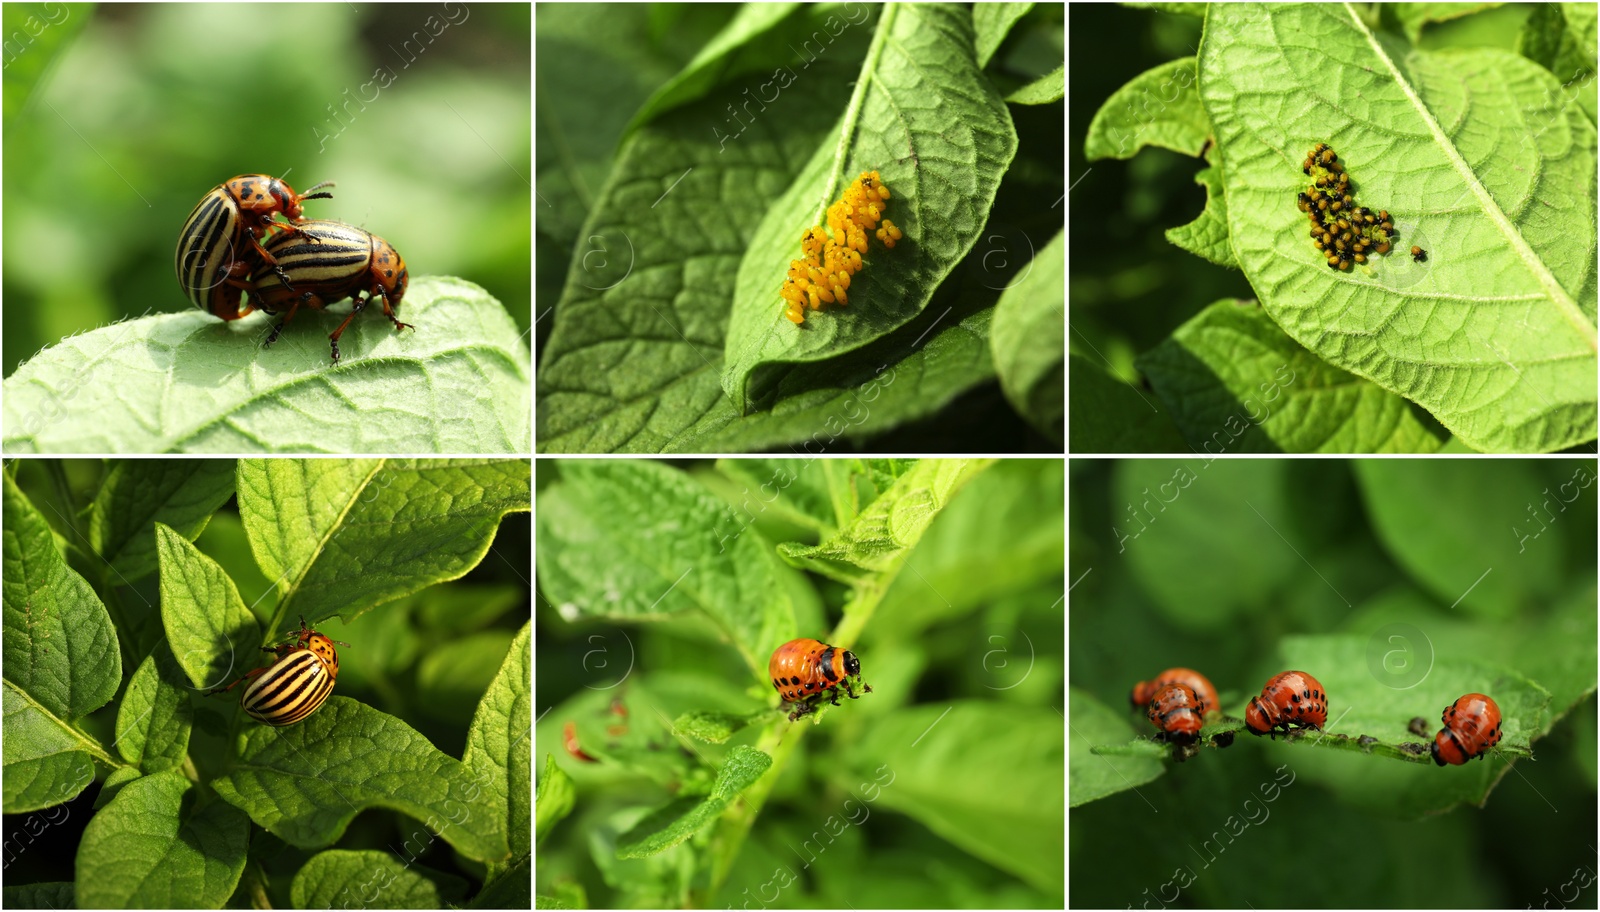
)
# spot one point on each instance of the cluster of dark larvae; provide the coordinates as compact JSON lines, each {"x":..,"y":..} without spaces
{"x":1342,"y":231}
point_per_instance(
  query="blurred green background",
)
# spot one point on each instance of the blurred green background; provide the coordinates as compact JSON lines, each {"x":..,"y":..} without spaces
{"x":1485,"y":569}
{"x":119,"y":118}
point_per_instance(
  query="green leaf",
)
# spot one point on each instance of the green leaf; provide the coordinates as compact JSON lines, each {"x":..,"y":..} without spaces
{"x":678,"y":821}
{"x":60,"y":646}
{"x":633,"y":361}
{"x":797,"y":491}
{"x":746,"y":45}
{"x":635,"y":352}
{"x":1207,"y":235}
{"x":1364,"y":703}
{"x":1431,"y":517}
{"x":943,"y":761}
{"x":46,"y":763}
{"x":512,"y":889}
{"x":1413,"y":16}
{"x":212,"y":634}
{"x":556,"y":796}
{"x":305,"y":782}
{"x":1495,"y":334}
{"x":907,"y":375}
{"x":138,"y":493}
{"x":1113,"y":416}
{"x":1030,"y":338}
{"x":1235,"y":383}
{"x":1002,"y":536}
{"x":343,"y":536}
{"x":627,"y":540}
{"x":880,"y":537}
{"x":155,"y":717}
{"x":713,"y":727}
{"x":991,"y":23}
{"x":1561,"y":38}
{"x":498,"y":753}
{"x":40,"y":896}
{"x":1557,"y":647}
{"x":1197,"y":10}
{"x":156,"y":847}
{"x":187,"y":382}
{"x":1094,"y":776}
{"x":1159,"y":108}
{"x":466,"y":607}
{"x":1047,"y":89}
{"x":330,"y":879}
{"x":918,"y":86}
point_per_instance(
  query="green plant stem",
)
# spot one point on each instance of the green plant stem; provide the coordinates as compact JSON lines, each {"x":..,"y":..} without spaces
{"x":780,"y":739}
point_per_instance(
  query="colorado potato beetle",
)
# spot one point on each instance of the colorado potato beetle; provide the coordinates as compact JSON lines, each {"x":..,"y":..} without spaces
{"x":1201,"y":685}
{"x":211,"y":258}
{"x":1178,"y":713}
{"x":1471,"y":727}
{"x":297,"y":682}
{"x":1289,"y":698}
{"x":332,"y":262}
{"x":805,"y":672}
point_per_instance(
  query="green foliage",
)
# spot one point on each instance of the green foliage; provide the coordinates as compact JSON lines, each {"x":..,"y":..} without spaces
{"x":669,"y":335}
{"x":1232,"y":379}
{"x":189,"y":383}
{"x":329,"y":877}
{"x":1113,"y":416}
{"x":944,"y":192}
{"x":942,"y":573}
{"x":1029,"y":340}
{"x":187,"y":777}
{"x":1207,"y":235}
{"x":1494,"y":336}
{"x":1158,"y":109}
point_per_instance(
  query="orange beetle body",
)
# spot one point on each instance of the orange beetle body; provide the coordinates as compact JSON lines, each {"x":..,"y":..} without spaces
{"x":805,"y":672}
{"x":213,"y":261}
{"x":325,"y":263}
{"x":1471,"y":727}
{"x":1144,"y":691}
{"x":297,"y":682}
{"x":1291,"y":698}
{"x":1178,"y":712}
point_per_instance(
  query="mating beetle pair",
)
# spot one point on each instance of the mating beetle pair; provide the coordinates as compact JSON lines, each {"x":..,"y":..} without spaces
{"x":306,"y":263}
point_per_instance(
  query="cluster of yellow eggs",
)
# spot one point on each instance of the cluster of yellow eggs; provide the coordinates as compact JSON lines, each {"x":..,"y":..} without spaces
{"x":832,"y":256}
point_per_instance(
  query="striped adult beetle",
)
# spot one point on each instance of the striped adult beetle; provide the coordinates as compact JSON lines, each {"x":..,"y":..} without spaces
{"x":338,"y":261}
{"x":297,"y":682}
{"x":213,"y":266}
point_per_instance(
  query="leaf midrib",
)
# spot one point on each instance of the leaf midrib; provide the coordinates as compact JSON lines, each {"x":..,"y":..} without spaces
{"x":1557,"y":295}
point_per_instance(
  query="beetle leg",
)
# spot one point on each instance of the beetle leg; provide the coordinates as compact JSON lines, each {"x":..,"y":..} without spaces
{"x":225,"y":300}
{"x":333,"y":337}
{"x":284,"y":322}
{"x":389,"y":311}
{"x":247,"y":676}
